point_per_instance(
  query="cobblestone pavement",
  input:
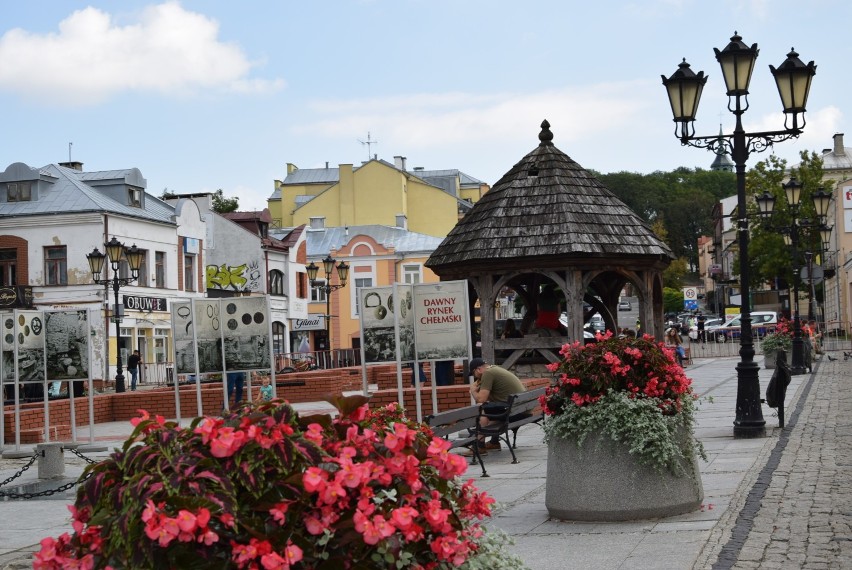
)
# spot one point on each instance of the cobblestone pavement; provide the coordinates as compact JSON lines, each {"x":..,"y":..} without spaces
{"x":799,"y":510}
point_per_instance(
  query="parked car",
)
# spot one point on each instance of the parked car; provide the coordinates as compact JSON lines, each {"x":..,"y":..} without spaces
{"x":708,"y":324}
{"x":596,"y":324}
{"x":624,"y":306}
{"x":762,"y":323}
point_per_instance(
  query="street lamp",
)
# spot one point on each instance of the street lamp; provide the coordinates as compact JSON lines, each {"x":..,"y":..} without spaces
{"x":821,"y":200}
{"x":115,"y":250}
{"x":327,"y":287}
{"x":684,"y":87}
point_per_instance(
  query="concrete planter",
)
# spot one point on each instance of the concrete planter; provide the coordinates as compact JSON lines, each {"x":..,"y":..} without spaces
{"x":601,"y":481}
{"x":769,"y":358}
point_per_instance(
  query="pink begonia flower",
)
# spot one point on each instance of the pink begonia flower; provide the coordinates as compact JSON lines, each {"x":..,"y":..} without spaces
{"x":403,"y":517}
{"x":227,"y":442}
{"x":314,"y":479}
{"x":186,"y":520}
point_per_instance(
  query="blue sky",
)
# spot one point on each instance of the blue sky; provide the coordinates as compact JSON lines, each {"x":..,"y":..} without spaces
{"x":201,"y":95}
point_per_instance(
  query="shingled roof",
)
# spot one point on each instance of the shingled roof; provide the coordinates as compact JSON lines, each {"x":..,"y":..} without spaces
{"x":547,"y":211}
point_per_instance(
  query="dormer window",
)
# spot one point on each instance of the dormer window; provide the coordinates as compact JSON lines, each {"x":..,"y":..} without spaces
{"x":134,"y":197}
{"x":18,"y":191}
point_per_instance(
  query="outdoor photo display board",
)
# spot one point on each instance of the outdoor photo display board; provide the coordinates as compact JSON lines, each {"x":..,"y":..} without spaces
{"x":237,"y":328}
{"x":207,"y":323}
{"x":378,"y":332}
{"x":441,"y":322}
{"x":7,"y":341}
{"x":183,"y":340}
{"x":403,"y":304}
{"x":29,"y":337}
{"x":246,"y":333}
{"x":67,"y":344}
{"x":429,"y":321}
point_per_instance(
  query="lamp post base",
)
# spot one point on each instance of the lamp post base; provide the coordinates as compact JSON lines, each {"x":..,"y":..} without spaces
{"x":119,"y":383}
{"x":797,"y":365}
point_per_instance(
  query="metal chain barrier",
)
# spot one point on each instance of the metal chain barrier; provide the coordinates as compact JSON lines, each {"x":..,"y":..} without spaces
{"x":81,"y":456}
{"x":46,"y":493}
{"x":22,"y":470}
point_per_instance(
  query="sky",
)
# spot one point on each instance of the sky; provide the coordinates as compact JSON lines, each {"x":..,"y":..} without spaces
{"x":208,"y":94}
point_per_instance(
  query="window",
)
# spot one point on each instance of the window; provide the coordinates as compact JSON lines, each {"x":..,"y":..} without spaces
{"x":189,"y":273}
{"x":19,"y":191}
{"x":55,"y":265}
{"x":124,"y":269}
{"x":276,"y":282}
{"x":160,"y":269}
{"x":134,"y":197}
{"x":317,"y":291}
{"x":302,"y":285}
{"x":411,"y":274}
{"x":279,"y":334}
{"x":8,"y":267}
{"x":361,"y":282}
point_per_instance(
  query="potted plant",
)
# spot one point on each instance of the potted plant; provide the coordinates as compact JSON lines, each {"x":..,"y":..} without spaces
{"x":781,"y":338}
{"x":619,"y":428}
{"x":262,"y":488}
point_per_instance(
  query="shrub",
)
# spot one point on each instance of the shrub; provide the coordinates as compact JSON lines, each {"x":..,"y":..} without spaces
{"x":262,"y":488}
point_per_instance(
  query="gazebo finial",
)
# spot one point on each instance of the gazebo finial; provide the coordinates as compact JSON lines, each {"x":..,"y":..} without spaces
{"x":545,"y":136}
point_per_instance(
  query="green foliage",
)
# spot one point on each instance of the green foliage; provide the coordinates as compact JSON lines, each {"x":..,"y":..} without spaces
{"x":672,"y":300}
{"x":222,"y":205}
{"x":682,"y":200}
{"x":674,"y":274}
{"x":769,"y":256}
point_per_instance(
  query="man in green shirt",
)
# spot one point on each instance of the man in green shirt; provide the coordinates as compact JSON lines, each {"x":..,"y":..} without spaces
{"x":492,"y":387}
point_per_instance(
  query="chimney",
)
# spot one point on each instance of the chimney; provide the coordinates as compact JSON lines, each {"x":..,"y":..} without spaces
{"x":401,"y":221}
{"x":291,"y":168}
{"x":838,"y":145}
{"x":74,"y":165}
{"x":399,"y":162}
{"x":317,"y":222}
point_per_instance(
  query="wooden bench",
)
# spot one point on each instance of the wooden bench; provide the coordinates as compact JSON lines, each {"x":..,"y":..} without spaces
{"x":523,"y":409}
{"x":464,"y":421}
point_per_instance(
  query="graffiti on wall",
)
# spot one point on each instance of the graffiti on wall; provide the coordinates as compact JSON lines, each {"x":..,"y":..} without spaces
{"x":245,"y":277}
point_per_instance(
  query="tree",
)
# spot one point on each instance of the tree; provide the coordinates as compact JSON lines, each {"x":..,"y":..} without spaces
{"x":769,"y":257}
{"x":167,"y":194}
{"x":222,"y":205}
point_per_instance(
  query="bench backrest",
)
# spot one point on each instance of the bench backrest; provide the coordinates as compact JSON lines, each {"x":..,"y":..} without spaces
{"x":452,"y":421}
{"x":526,"y":401}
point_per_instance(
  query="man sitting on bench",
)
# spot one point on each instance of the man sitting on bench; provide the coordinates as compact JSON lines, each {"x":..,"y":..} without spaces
{"x":492,"y":387}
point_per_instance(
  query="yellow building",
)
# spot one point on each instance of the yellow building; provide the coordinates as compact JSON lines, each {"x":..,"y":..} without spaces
{"x":429,"y":202}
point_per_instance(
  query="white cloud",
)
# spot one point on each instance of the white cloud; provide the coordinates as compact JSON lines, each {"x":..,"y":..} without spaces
{"x":424,"y":120}
{"x":167,"y":49}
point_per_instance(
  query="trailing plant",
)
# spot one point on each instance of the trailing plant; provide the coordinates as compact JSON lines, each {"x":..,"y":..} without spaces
{"x":629,"y":389}
{"x":263,"y":488}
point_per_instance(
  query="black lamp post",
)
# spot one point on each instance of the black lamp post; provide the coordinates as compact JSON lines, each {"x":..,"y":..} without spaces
{"x":115,"y":250}
{"x":684,"y":87}
{"x":821,"y":200}
{"x":327,"y":287}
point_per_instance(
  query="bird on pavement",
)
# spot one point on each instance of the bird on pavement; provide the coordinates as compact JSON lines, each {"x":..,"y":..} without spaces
{"x":831,"y":358}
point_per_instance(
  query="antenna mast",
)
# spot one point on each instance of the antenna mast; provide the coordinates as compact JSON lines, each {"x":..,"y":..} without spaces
{"x":369,"y":143}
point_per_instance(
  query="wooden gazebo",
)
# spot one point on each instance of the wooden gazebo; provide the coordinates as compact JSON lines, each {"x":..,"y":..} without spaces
{"x":549,"y":227}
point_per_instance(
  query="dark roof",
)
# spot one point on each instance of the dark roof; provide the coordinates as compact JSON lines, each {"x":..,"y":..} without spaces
{"x":547,"y":210}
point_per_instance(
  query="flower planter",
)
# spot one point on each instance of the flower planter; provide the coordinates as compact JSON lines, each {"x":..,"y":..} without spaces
{"x":602,"y":481}
{"x":770,"y":355}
